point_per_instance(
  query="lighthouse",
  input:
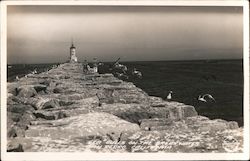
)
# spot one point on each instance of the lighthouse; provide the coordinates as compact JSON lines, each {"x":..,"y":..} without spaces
{"x":73,"y":58}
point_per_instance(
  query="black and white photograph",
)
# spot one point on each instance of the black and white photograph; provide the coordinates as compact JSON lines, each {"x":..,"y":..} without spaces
{"x":130,"y":79}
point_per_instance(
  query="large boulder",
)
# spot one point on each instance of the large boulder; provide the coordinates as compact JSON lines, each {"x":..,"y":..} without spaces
{"x":91,"y":124}
{"x":156,"y":101}
{"x":49,"y":115}
{"x":26,"y":91}
{"x":155,"y":124}
{"x":90,"y":102}
{"x":19,"y":108}
{"x":118,"y":95}
{"x":40,"y":88}
{"x":12,"y":88}
{"x":180,"y":111}
{"x":42,"y":102}
{"x":15,"y":130}
{"x":202,"y":123}
{"x":14,"y":147}
{"x":129,"y":112}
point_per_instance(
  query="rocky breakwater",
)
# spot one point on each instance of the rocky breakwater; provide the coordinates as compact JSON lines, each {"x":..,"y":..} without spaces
{"x":67,"y":110}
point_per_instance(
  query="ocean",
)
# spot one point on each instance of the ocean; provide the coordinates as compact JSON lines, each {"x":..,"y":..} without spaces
{"x":223,"y":79}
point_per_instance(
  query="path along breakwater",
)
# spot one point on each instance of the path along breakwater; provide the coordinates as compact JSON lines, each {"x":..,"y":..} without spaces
{"x":67,"y":110}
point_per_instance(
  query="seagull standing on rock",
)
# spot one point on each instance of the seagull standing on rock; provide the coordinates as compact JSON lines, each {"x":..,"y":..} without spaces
{"x":169,"y":96}
{"x":205,"y":98}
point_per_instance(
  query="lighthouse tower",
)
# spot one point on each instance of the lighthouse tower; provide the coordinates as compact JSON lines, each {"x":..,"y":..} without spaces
{"x":73,"y":58}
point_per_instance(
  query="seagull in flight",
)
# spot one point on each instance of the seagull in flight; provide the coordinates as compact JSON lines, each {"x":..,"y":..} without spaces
{"x":137,"y":73}
{"x":205,"y":98}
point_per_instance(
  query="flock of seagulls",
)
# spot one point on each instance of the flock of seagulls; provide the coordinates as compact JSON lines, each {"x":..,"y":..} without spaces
{"x":122,"y":67}
{"x":206,"y":98}
{"x":29,"y":74}
{"x":35,"y":72}
{"x":122,"y":71}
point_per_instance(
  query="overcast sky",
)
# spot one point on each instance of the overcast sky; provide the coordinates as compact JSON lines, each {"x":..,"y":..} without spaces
{"x":42,"y":34}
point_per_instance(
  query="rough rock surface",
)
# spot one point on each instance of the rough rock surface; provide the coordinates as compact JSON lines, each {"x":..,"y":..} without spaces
{"x":66,"y":110}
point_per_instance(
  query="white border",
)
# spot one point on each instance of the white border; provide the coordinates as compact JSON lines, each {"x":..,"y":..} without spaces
{"x":125,"y":156}
{"x":132,"y":2}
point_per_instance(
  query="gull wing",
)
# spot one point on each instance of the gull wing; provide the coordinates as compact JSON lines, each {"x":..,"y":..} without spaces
{"x":209,"y":96}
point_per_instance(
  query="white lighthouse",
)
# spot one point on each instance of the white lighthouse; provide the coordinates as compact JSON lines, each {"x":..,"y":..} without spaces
{"x":73,"y":58}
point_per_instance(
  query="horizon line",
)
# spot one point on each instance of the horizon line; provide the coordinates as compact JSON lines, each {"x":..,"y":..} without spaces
{"x":174,"y":60}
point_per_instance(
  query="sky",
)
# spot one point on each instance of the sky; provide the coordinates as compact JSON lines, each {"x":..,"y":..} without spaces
{"x":43,"y":34}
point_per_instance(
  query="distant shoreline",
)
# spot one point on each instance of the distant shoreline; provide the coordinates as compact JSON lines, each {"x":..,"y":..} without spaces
{"x":197,"y":60}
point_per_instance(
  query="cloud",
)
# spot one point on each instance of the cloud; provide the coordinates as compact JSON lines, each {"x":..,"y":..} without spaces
{"x":42,"y":34}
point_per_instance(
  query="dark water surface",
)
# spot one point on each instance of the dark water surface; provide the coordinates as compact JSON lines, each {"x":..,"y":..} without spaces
{"x":223,"y":79}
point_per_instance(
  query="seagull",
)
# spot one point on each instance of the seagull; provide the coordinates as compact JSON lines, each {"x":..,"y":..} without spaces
{"x":205,"y":97}
{"x":100,"y":63}
{"x":120,"y":66}
{"x":35,"y":71}
{"x":137,"y":73}
{"x":169,"y":96}
{"x":17,"y":78}
{"x":121,"y":75}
